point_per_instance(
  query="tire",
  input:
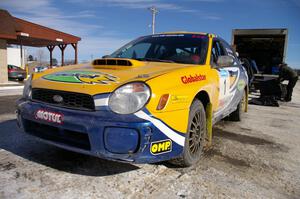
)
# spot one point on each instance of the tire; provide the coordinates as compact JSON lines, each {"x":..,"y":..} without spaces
{"x":236,"y":116}
{"x":195,"y":136}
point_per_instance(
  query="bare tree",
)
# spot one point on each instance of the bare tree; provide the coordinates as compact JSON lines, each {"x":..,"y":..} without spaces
{"x":41,"y":57}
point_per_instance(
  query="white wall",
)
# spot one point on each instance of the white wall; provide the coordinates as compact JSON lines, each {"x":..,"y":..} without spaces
{"x":14,"y":56}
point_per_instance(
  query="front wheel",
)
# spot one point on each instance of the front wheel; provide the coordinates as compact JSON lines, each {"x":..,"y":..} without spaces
{"x":195,"y":136}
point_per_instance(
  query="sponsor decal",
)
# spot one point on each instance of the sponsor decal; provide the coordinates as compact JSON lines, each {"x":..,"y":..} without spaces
{"x":169,"y":35}
{"x":143,"y":76}
{"x":199,"y":36}
{"x":160,"y":147}
{"x":241,"y":84}
{"x":224,"y":101}
{"x":86,"y":77}
{"x":223,"y":73}
{"x":49,"y":116}
{"x":179,"y":98}
{"x":191,"y":79}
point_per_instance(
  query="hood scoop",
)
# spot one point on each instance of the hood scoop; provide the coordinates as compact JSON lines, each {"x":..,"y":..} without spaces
{"x":113,"y":62}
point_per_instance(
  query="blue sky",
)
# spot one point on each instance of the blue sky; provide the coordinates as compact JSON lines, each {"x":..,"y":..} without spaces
{"x":105,"y":25}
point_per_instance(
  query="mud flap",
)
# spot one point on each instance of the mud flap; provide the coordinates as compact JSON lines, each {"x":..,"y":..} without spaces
{"x":209,"y":125}
{"x":247,"y":100}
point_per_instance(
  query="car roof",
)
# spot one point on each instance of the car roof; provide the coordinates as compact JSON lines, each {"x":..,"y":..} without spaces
{"x":187,"y":32}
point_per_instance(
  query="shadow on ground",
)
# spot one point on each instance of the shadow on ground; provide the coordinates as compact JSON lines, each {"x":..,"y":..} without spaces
{"x":246,"y":139}
{"x":8,"y":104}
{"x":27,"y":147}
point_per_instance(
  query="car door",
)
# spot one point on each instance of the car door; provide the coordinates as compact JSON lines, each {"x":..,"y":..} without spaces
{"x":228,"y":79}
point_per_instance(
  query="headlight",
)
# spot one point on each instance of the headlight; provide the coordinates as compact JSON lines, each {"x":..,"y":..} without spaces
{"x":27,"y":88}
{"x":129,"y":98}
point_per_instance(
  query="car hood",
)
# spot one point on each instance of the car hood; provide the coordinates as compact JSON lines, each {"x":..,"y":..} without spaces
{"x":101,"y":76}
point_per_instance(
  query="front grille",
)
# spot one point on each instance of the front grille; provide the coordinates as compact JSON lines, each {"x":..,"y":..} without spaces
{"x":70,"y":99}
{"x":62,"y":136}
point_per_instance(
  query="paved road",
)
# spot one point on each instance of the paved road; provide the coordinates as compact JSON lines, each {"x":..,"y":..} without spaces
{"x":256,"y":158}
{"x":11,"y":90}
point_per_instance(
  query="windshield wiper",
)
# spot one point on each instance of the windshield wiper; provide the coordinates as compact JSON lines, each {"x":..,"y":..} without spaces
{"x":155,"y":60}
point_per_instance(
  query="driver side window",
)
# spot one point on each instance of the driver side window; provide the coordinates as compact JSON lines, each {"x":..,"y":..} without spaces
{"x":217,"y":50}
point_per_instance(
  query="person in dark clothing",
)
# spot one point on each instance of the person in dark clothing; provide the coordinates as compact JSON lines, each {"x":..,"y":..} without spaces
{"x":287,"y":73}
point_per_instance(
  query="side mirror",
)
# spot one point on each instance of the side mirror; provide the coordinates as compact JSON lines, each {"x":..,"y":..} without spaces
{"x":225,"y":61}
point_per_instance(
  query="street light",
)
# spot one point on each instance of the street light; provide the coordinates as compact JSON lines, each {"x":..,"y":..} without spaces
{"x":154,"y":12}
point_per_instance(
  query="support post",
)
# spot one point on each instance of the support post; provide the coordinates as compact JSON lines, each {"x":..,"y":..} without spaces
{"x":23,"y":65}
{"x":21,"y":52}
{"x":75,"y":48}
{"x":51,"y":48}
{"x":62,"y":48}
{"x":3,"y":62}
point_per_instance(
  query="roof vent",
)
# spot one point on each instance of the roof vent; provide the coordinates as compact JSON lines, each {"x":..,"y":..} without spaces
{"x":112,"y":62}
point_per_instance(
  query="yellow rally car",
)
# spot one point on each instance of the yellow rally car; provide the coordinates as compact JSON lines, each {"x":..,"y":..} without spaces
{"x":152,"y":100}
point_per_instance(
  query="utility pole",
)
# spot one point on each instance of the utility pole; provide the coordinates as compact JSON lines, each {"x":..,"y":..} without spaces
{"x":154,"y":12}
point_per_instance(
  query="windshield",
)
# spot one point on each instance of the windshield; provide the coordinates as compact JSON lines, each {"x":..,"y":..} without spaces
{"x":179,"y":48}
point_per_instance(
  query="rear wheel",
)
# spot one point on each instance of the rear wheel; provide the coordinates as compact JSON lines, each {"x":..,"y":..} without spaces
{"x":241,"y":108}
{"x":195,"y":136}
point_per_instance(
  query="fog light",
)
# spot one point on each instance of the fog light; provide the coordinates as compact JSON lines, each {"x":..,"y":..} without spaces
{"x":121,"y":140}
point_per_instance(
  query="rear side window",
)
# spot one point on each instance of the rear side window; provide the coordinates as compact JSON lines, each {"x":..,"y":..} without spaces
{"x":229,"y":50}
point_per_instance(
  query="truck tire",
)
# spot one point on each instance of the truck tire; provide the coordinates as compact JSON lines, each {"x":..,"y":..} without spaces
{"x":237,"y":114}
{"x":195,"y":136}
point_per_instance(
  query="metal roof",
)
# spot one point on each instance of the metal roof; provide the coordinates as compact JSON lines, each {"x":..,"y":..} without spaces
{"x":16,"y":31}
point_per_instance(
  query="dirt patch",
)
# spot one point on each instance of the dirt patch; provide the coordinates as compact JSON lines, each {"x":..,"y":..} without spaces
{"x":7,"y":166}
{"x":245,"y":139}
{"x":9,"y":103}
{"x":249,"y":159}
{"x":233,"y":161}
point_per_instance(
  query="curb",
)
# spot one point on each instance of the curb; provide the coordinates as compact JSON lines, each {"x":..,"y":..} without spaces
{"x":11,"y":87}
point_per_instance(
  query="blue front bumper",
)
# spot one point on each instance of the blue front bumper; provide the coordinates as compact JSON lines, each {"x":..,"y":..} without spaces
{"x":99,"y":133}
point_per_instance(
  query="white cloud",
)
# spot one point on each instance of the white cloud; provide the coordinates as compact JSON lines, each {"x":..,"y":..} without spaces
{"x":67,"y":25}
{"x":30,"y":7}
{"x":137,"y":4}
{"x":95,"y":41}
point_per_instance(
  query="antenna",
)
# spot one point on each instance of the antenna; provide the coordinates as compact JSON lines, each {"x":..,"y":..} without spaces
{"x":154,"y":11}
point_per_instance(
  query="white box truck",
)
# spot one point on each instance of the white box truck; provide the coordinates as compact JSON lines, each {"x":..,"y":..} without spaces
{"x":267,"y":47}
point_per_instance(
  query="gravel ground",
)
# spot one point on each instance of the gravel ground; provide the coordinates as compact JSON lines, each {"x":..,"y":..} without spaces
{"x":256,"y":158}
